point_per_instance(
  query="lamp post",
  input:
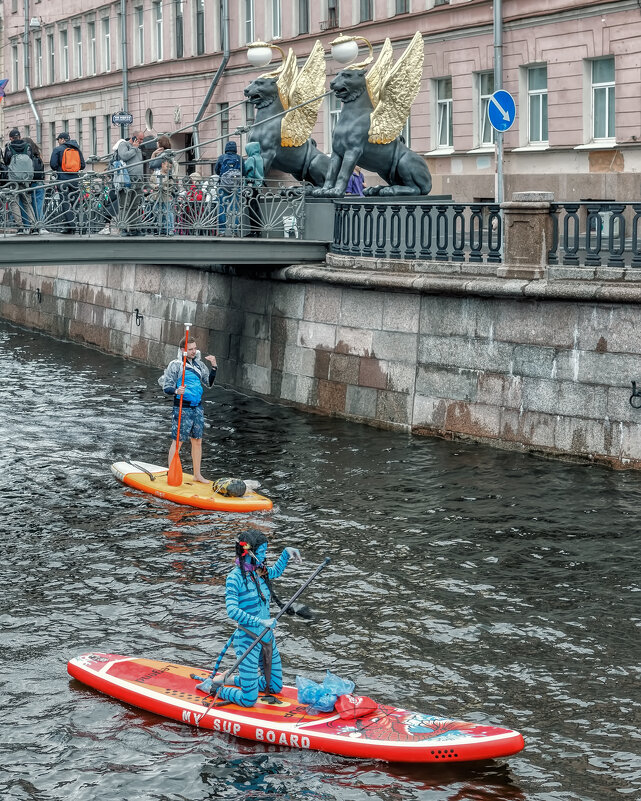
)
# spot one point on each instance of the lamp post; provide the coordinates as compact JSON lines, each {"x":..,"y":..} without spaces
{"x":345,"y":49}
{"x":259,"y":54}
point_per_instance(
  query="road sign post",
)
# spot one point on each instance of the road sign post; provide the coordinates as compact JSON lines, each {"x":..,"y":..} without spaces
{"x":501,"y":111}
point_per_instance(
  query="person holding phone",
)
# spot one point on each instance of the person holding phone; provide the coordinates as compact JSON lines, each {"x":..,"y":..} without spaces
{"x":131,"y":197}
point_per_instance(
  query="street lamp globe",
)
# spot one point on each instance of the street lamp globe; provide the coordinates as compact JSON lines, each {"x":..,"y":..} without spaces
{"x":259,"y":54}
{"x":344,"y":49}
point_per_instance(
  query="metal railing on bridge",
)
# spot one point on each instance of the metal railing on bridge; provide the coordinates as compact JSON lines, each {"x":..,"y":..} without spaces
{"x":595,"y":234}
{"x":424,"y":229}
{"x":94,"y":204}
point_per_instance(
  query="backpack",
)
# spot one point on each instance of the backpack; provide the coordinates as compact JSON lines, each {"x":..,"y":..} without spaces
{"x":70,"y":160}
{"x":230,"y":178}
{"x":121,"y":179}
{"x":20,"y":168}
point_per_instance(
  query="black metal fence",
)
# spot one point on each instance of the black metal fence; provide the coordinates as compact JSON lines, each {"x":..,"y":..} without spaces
{"x":428,"y":231}
{"x":595,"y":234}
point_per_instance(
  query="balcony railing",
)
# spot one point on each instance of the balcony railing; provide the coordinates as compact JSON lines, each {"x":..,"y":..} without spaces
{"x":92,"y":204}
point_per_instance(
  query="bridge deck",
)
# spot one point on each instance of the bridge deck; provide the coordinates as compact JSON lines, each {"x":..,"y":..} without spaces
{"x":61,"y":249}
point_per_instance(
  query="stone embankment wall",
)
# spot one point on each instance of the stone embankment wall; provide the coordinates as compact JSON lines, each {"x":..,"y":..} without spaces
{"x":539,"y":364}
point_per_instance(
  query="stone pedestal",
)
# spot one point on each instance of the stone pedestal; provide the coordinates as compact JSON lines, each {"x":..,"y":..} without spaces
{"x":527,"y":235}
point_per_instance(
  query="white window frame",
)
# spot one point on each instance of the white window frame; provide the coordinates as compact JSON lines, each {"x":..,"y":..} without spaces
{"x":64,"y":54}
{"x":248,"y":21}
{"x":444,"y":107}
{"x":607,"y":89}
{"x":179,"y":25}
{"x":334,"y":106}
{"x":158,"y":34}
{"x":105,"y":31}
{"x":37,"y":60}
{"x":139,"y":50}
{"x":15,"y":68}
{"x":51,"y":57}
{"x":200,"y":43}
{"x":368,"y":14}
{"x":483,"y":120}
{"x":537,"y":97}
{"x":91,"y":48}
{"x":77,"y":51}
{"x":276,"y":19}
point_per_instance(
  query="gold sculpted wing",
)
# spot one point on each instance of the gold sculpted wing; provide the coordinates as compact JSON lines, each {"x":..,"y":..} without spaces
{"x":398,"y":90}
{"x":285,"y":74}
{"x":297,"y":125}
{"x":379,"y":70}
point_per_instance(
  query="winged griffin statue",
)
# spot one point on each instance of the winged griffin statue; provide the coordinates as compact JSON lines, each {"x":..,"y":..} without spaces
{"x":375,"y":108}
{"x":284,"y":139}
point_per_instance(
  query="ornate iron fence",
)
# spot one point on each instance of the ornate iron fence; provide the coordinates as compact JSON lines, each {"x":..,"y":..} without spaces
{"x":595,"y":234}
{"x":425,"y":230}
{"x":92,"y":204}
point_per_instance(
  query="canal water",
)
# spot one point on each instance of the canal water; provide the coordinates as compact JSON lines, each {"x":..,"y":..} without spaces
{"x":465,"y":582}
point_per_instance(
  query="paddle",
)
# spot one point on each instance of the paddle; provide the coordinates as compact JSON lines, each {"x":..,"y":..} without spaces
{"x":175,"y":472}
{"x":267,"y":629}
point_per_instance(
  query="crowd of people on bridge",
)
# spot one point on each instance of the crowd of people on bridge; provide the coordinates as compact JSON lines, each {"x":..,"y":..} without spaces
{"x":132,"y":195}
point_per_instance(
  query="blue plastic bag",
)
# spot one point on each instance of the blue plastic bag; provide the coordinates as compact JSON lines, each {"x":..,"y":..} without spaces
{"x":322,"y":697}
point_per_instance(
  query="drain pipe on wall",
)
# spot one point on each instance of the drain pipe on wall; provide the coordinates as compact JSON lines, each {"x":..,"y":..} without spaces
{"x":216,"y":78}
{"x":27,"y":73}
{"x":125,"y":66}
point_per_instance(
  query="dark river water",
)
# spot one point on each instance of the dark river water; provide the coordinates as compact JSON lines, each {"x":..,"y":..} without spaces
{"x":464,"y":581}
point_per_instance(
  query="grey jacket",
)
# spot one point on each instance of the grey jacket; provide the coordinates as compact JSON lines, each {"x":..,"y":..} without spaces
{"x":132,"y":156}
{"x":172,"y":376}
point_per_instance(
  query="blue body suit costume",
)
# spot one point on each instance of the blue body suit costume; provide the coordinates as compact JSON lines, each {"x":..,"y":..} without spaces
{"x":247,"y":599}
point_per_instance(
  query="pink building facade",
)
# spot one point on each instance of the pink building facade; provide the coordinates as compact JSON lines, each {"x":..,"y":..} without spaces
{"x":572,"y":67}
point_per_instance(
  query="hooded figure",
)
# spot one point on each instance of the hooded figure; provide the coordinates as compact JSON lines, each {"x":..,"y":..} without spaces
{"x":254,"y":167}
{"x":230,"y":160}
{"x":247,"y":598}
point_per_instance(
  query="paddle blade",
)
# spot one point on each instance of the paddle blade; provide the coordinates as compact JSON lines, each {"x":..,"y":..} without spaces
{"x":175,"y":472}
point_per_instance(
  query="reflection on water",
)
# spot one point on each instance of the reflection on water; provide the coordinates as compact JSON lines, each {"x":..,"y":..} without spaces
{"x":464,"y":581}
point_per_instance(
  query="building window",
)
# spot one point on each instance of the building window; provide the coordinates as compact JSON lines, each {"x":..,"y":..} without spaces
{"x":64,"y":55}
{"x":406,"y":133}
{"x":91,"y":55}
{"x":52,"y":134}
{"x":444,"y":133}
{"x":537,"y":103}
{"x":107,"y":120}
{"x":334,"y":113}
{"x":158,"y":43}
{"x":139,"y":35}
{"x":250,"y":113}
{"x":277,"y":19}
{"x":79,"y":132}
{"x":200,"y":27}
{"x":106,"y":45}
{"x":249,"y":21}
{"x":366,"y":11}
{"x":180,"y":28}
{"x":51,"y":57}
{"x":15,"y":71}
{"x":37,"y":60}
{"x":603,"y":98}
{"x":77,"y":51}
{"x":332,"y":14}
{"x":303,"y":16}
{"x":486,"y":90}
{"x":93,"y":137}
{"x":65,"y":125}
{"x":402,"y":6}
{"x":223,"y":123}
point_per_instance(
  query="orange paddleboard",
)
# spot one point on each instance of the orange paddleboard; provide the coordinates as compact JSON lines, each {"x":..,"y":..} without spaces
{"x":152,"y":479}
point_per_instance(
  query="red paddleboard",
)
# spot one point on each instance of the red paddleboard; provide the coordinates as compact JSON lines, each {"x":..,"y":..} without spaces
{"x":388,"y":733}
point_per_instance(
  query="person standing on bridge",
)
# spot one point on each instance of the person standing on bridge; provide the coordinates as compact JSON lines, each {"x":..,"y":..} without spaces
{"x":192,"y":421}
{"x":67,"y":161}
{"x":131,"y":198}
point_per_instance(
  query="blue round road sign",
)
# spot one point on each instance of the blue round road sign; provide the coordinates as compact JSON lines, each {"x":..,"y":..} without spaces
{"x":501,"y":109}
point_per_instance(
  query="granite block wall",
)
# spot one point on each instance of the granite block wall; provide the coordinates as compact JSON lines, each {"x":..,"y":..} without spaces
{"x":517,"y":365}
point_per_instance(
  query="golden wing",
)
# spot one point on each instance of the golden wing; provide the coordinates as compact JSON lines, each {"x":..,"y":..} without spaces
{"x":286,"y":75}
{"x":297,"y":125}
{"x":398,"y":91}
{"x":379,"y":70}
